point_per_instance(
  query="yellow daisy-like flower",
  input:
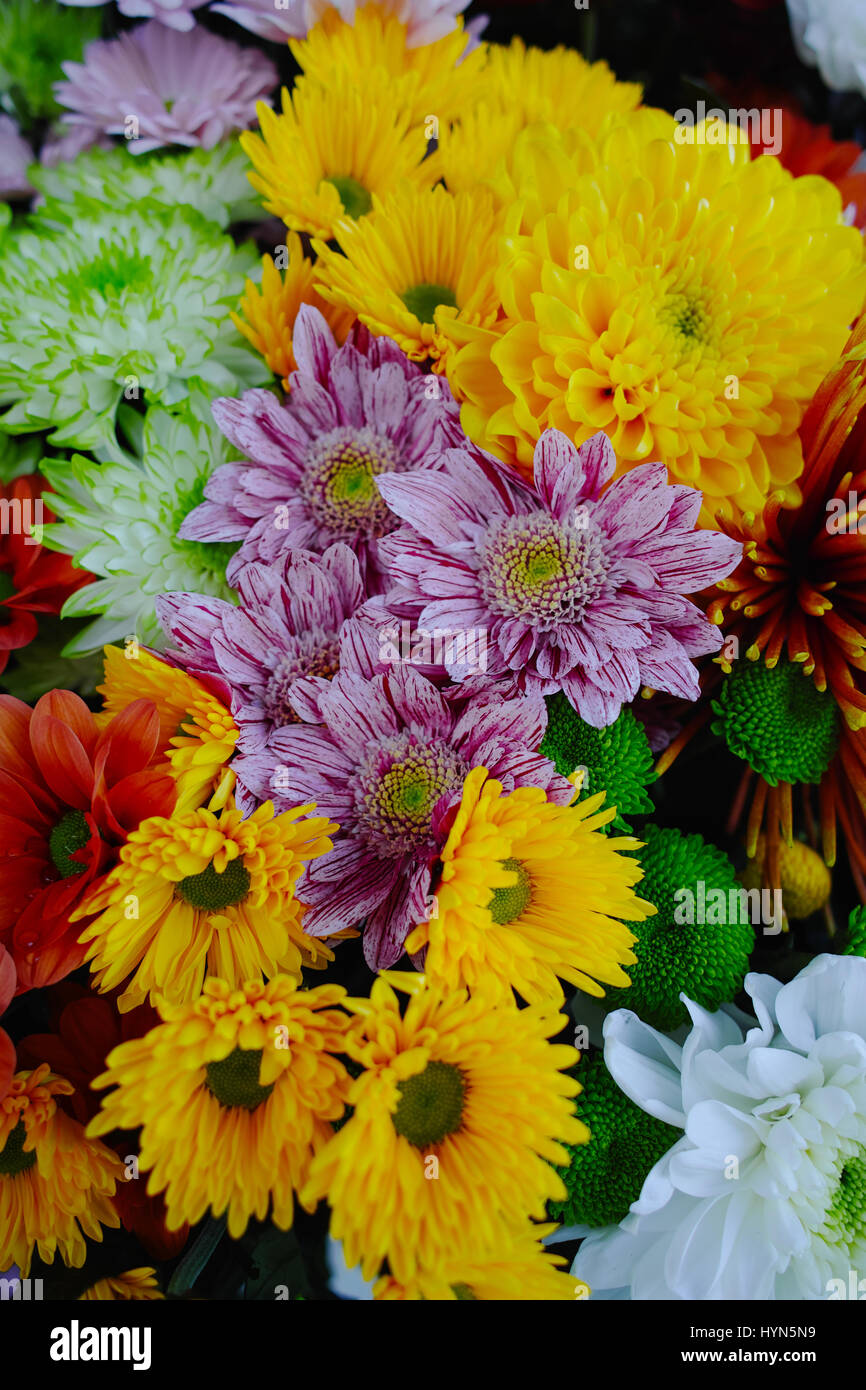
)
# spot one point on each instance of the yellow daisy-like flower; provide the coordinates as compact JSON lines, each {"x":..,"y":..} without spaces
{"x":428,"y":82}
{"x":268,"y":312}
{"x":458,"y":1116}
{"x":419,"y":260}
{"x":518,"y":1269}
{"x":199,"y":893}
{"x":530,"y":891}
{"x":329,"y":153}
{"x":56,"y":1185}
{"x":234,"y":1094}
{"x":197,"y":732}
{"x":472,"y":148}
{"x":676,"y":294}
{"x":132,"y":1285}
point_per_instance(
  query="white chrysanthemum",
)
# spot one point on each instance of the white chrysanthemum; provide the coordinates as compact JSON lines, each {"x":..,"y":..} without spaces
{"x":213,"y":182}
{"x":98,"y":302}
{"x":120,"y":519}
{"x":831,"y":35}
{"x":764,"y":1197}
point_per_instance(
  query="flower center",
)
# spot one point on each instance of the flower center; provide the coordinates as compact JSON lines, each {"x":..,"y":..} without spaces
{"x":431,"y":1104}
{"x":353,"y":195}
{"x":535,"y":568}
{"x":210,"y":891}
{"x":463,"y":1292}
{"x":13,"y":1159}
{"x":845,"y":1221}
{"x":118,"y":268}
{"x":235,"y":1080}
{"x":312,"y":654}
{"x":687,"y":315}
{"x":7,"y":588}
{"x":71,"y":833}
{"x":338,"y":483}
{"x":507,"y":904}
{"x":423,"y":300}
{"x":399,"y":788}
{"x":777,"y":720}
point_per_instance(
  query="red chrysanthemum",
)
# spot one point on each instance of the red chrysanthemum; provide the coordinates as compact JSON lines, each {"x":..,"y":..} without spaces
{"x":32,"y":579}
{"x":69,"y":796}
{"x":7,"y":1047}
{"x":85,"y":1029}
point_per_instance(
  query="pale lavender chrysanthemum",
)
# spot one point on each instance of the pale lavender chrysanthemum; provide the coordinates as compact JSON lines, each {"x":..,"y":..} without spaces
{"x":425,"y":20}
{"x":173,"y":13}
{"x":580,"y":587}
{"x":276,"y":651}
{"x":160,"y":87}
{"x":354,"y":413}
{"x":16,"y":156}
{"x":388,"y":765}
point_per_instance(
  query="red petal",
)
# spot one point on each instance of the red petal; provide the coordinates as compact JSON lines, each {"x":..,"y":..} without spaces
{"x":7,"y":1063}
{"x":62,"y":760}
{"x":143,"y":794}
{"x":70,"y":709}
{"x":7,"y":981}
{"x":15,"y":719}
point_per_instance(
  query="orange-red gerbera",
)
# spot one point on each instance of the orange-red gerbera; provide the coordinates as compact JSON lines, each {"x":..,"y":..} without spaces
{"x":69,"y":795}
{"x":32,"y":579}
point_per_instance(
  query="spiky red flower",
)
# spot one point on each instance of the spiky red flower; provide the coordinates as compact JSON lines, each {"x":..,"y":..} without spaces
{"x":69,"y":796}
{"x":32,"y":579}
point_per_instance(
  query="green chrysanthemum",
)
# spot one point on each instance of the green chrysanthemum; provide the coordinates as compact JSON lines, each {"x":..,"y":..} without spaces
{"x":36,"y":36}
{"x":606,"y":1175}
{"x":685,"y":878}
{"x":776,"y":719}
{"x":856,"y":942}
{"x":98,"y":303}
{"x":211,"y":182}
{"x":120,"y":518}
{"x":618,"y":759}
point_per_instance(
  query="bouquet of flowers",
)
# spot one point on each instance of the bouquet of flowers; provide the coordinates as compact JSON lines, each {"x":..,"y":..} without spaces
{"x":433,"y":645}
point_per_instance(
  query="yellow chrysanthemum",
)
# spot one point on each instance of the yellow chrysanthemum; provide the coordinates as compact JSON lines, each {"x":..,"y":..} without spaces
{"x":558,"y":86}
{"x":202,"y":892}
{"x":197,"y":732}
{"x":419,"y":260}
{"x":458,"y":1116}
{"x":234,"y":1094}
{"x":431,"y":80}
{"x":329,"y":153}
{"x":268,"y":312}
{"x":531,"y":891}
{"x":56,"y":1185}
{"x":518,"y":1269}
{"x":682,"y":297}
{"x":132,"y":1285}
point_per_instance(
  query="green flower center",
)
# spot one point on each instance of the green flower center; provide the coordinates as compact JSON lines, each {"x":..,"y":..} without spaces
{"x":234,"y":1081}
{"x":687,"y":316}
{"x":845,"y":1222}
{"x":211,"y":892}
{"x":507,"y":904}
{"x":777,"y":721}
{"x":71,"y":833}
{"x":119,"y":268}
{"x":541,"y":570}
{"x":339,"y":487}
{"x":13,"y":1159}
{"x":431,"y":1104}
{"x":423,"y":300}
{"x":353,"y":195}
{"x":397,"y":791}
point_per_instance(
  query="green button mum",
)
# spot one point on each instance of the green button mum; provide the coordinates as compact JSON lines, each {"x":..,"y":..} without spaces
{"x":778,"y":721}
{"x":606,"y":1175}
{"x":707,"y":960}
{"x":618,"y":759}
